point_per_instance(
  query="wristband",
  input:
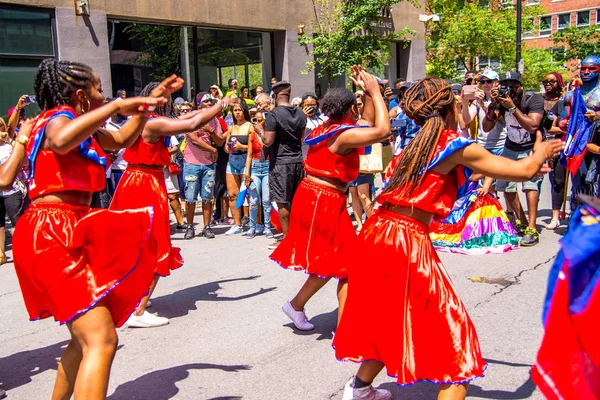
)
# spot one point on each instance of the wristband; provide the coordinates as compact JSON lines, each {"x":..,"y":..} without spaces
{"x":512,"y":110}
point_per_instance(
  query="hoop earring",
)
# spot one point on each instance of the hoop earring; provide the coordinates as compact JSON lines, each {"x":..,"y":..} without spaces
{"x":83,"y":111}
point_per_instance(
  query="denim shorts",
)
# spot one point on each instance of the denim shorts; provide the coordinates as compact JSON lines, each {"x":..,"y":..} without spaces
{"x":511,"y":187}
{"x":362,"y":179}
{"x":237,"y":164}
{"x":199,"y":179}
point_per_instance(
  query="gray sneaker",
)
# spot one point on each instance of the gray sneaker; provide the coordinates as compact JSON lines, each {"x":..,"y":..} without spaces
{"x":250,"y":234}
{"x":189,"y":233}
{"x":208,"y":233}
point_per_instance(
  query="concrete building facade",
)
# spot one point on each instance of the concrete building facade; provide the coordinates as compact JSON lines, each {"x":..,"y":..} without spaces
{"x":258,"y":40}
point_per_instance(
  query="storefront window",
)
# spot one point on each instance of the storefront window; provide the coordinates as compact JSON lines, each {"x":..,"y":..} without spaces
{"x":26,"y":38}
{"x":224,"y":54}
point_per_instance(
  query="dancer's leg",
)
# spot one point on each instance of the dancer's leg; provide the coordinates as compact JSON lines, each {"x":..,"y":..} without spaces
{"x":67,"y":371}
{"x":233,"y":187}
{"x":453,"y":392}
{"x":308,"y":290}
{"x":95,"y":332}
{"x":142,"y":307}
{"x":368,"y":370}
{"x":342,"y":293}
{"x":357,"y":207}
{"x":176,"y":207}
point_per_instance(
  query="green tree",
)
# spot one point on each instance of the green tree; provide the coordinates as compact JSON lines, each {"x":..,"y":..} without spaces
{"x":470,"y":29}
{"x":348,"y":32}
{"x":538,"y":63}
{"x":162,"y":47}
{"x":579,"y":42}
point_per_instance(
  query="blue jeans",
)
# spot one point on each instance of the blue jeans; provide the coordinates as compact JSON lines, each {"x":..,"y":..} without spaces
{"x":199,"y":179}
{"x":260,"y":192}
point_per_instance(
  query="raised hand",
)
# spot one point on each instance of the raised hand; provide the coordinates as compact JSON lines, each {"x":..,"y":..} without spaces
{"x":550,"y":148}
{"x":167,"y":87}
{"x":137,"y":105}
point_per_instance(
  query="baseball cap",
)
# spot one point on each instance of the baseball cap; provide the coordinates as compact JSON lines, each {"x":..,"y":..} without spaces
{"x":279,"y":86}
{"x":457,"y":87}
{"x":490,"y":74}
{"x":511,"y":76}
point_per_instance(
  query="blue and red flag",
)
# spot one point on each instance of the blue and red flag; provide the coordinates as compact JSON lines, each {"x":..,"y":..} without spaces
{"x":578,"y":134}
{"x":568,"y":362}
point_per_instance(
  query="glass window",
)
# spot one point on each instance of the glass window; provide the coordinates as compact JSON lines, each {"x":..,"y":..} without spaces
{"x":564,"y":21}
{"x":529,"y":28}
{"x":531,"y":2}
{"x":16,"y":79}
{"x":546,"y":25}
{"x":24,"y":32}
{"x":583,"y":18}
{"x":507,"y":3}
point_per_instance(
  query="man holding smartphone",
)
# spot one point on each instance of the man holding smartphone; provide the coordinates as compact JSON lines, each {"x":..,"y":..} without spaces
{"x":522,"y":114}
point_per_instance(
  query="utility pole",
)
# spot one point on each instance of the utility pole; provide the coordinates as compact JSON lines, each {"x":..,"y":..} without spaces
{"x":519,"y":29}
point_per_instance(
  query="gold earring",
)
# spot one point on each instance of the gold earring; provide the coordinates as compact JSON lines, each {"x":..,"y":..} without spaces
{"x":83,"y":110}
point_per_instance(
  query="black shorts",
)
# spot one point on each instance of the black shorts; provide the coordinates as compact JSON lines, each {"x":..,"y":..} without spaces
{"x":284,"y":179}
{"x":11,"y":205}
{"x":220,"y":184}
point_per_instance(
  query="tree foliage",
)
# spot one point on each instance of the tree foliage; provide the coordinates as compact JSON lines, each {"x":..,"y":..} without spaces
{"x":470,"y":29}
{"x":346,"y":32}
{"x":579,"y":42}
{"x":162,"y":47}
{"x":538,"y":63}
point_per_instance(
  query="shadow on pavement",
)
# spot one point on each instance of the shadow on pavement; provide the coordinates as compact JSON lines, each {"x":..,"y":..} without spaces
{"x":160,"y":385}
{"x":523,"y":392}
{"x":183,"y":301}
{"x":19,"y":368}
{"x":325,"y":325}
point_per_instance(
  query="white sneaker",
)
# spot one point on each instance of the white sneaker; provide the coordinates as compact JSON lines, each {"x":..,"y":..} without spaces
{"x":298,"y":317}
{"x":235,"y":230}
{"x":366,"y":393}
{"x":146,"y":320}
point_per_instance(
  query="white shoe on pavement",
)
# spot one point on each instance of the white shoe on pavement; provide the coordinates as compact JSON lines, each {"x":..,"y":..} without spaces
{"x":365,"y":393}
{"x":234,"y":230}
{"x":146,"y":320}
{"x":298,"y":317}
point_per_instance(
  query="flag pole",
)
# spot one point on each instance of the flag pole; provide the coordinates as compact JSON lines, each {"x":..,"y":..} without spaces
{"x":563,"y":214}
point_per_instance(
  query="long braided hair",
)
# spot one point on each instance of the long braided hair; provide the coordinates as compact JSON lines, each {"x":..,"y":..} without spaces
{"x":55,"y":81}
{"x":166,"y":109}
{"x":428,"y":103}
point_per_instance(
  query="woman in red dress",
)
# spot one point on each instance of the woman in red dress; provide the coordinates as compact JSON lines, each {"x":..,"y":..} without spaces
{"x":403,"y":311}
{"x":320,"y":227}
{"x":143,"y":185}
{"x":81,"y":267}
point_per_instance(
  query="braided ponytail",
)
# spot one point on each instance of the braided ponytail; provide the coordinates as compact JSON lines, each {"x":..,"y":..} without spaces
{"x":56,"y":81}
{"x":428,"y":103}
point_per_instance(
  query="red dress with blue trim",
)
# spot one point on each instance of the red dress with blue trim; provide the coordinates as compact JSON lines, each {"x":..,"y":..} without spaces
{"x":321,"y":231}
{"x":568,"y":361}
{"x":402,"y":308}
{"x":69,"y":257}
{"x":143,"y":185}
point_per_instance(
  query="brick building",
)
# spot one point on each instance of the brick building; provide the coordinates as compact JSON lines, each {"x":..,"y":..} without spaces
{"x":560,"y":14}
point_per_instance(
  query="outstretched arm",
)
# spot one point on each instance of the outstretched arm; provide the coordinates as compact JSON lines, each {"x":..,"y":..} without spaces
{"x":12,"y":166}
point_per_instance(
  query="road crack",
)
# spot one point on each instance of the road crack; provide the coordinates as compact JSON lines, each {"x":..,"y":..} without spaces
{"x":507,"y":283}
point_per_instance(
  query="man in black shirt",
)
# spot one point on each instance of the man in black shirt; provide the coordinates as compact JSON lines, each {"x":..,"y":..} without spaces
{"x":283,"y":134}
{"x":522,"y":112}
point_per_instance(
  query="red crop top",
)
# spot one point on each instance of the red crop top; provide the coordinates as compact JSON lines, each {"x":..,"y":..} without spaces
{"x":81,"y":169}
{"x":437,"y":193}
{"x":320,"y":161}
{"x":143,"y":153}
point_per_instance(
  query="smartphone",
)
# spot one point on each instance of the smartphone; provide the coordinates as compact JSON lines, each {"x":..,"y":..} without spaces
{"x":30,"y":99}
{"x":254,"y":120}
{"x":589,"y":201}
{"x":396,"y":92}
{"x":468,"y":92}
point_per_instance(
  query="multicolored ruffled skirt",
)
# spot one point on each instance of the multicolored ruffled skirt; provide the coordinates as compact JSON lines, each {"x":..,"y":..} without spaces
{"x":476,"y":225}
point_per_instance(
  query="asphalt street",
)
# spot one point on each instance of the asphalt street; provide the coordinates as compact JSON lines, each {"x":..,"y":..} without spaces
{"x":228,"y":339}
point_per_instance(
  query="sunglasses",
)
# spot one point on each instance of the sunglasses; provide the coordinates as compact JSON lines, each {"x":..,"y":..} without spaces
{"x":486,"y":82}
{"x":548,"y":82}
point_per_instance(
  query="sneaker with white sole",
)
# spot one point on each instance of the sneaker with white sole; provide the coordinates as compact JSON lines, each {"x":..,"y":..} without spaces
{"x":365,"y":393}
{"x":269,"y":234}
{"x":146,"y":320}
{"x":298,"y":317}
{"x":260,"y":229}
{"x":234,"y":230}
{"x":250,"y":234}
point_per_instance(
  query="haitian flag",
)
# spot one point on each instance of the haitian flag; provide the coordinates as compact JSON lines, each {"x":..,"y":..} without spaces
{"x":568,"y":362}
{"x":578,"y":134}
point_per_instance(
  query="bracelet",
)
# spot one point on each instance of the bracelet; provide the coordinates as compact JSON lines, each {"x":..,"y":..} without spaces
{"x":491,"y":119}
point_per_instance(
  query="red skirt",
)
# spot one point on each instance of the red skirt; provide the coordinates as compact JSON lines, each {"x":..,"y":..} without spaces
{"x":68,"y":258}
{"x":145,"y":187}
{"x":403,"y":310}
{"x":320,"y":235}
